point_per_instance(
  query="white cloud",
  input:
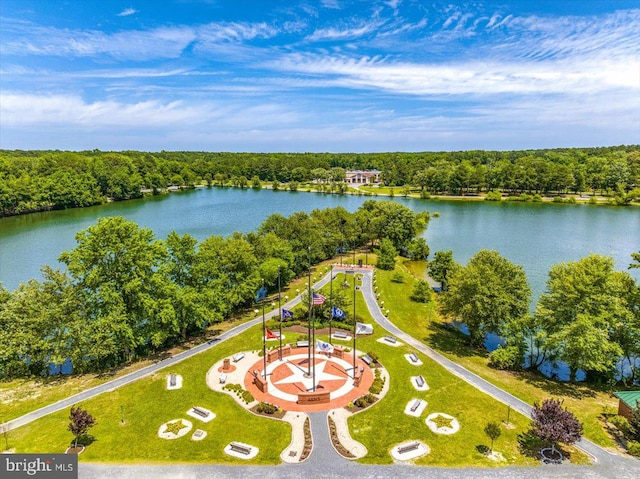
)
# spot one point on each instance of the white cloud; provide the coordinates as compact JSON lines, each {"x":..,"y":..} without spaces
{"x":127,"y":11}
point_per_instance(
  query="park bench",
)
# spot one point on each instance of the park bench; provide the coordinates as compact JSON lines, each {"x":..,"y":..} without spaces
{"x":200,"y":412}
{"x":223,"y":378}
{"x":240,"y":448}
{"x":173,"y":380}
{"x":237,"y":357}
{"x":340,"y":335}
{"x":408,"y":448}
{"x":413,"y":357}
{"x":367,"y":359}
{"x":420,"y":381}
{"x":390,"y":339}
{"x":416,"y":405}
{"x":302,"y":344}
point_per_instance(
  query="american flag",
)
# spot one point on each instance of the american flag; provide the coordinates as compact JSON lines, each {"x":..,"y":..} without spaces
{"x":318,"y":299}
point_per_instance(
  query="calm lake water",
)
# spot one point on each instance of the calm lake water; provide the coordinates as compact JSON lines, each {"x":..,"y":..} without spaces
{"x":532,"y":235}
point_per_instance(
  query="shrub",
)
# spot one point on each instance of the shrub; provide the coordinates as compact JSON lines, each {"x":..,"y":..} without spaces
{"x":571,"y":200}
{"x":397,"y":277}
{"x":621,"y":423}
{"x":558,"y":199}
{"x":266,"y":408}
{"x":493,"y":196}
{"x":421,"y":292}
{"x":373,"y":356}
{"x":509,"y":358}
{"x":633,"y":447}
{"x":425,"y":195}
{"x":537,"y":198}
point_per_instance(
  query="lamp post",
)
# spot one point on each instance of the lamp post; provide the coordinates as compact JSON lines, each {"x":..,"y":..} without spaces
{"x":264,"y":340}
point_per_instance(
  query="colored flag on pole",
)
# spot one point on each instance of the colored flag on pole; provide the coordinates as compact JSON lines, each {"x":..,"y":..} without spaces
{"x":338,"y":313}
{"x":261,"y":294}
{"x":323,"y":347}
{"x":272,"y":335}
{"x":287,"y":314}
{"x":318,"y":299}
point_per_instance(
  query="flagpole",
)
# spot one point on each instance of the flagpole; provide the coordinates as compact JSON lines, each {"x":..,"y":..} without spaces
{"x":313,"y":344}
{"x":280,"y":315}
{"x":309,"y":325}
{"x":355,"y":323}
{"x":331,"y":303}
{"x":264,"y":339}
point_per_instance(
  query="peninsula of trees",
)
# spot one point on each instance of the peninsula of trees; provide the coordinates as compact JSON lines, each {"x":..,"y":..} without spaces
{"x":43,"y":180}
{"x":126,"y":294}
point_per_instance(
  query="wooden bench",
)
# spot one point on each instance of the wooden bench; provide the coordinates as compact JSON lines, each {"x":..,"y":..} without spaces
{"x":240,"y":448}
{"x":408,"y":448}
{"x":173,"y":380}
{"x":416,"y":405}
{"x":413,"y":357}
{"x":340,"y":335}
{"x":302,"y":344}
{"x":200,"y":412}
{"x":390,"y":339}
{"x":237,"y":357}
{"x":420,"y":381}
{"x":367,"y":359}
{"x":223,"y":378}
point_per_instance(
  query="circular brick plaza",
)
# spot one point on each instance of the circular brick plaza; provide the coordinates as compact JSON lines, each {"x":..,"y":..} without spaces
{"x":290,"y":386}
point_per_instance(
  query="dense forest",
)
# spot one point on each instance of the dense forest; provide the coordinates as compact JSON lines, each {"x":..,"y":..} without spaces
{"x":125,"y":294}
{"x":43,"y":180}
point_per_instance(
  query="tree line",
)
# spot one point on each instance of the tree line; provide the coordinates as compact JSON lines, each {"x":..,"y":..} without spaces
{"x":588,"y":316}
{"x":43,"y":180}
{"x":125,"y":294}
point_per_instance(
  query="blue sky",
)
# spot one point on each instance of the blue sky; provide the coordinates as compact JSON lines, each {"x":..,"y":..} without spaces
{"x":331,"y":75}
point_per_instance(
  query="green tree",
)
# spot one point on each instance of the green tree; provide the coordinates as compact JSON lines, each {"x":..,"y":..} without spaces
{"x":586,"y":314}
{"x":387,"y":255}
{"x":493,"y":432}
{"x":442,"y":266}
{"x":421,"y":292}
{"x":127,"y":297}
{"x":486,"y":294}
{"x":418,"y":249}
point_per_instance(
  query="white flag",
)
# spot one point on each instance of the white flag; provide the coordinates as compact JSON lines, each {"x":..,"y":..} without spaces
{"x":323,"y":347}
{"x":362,"y":328}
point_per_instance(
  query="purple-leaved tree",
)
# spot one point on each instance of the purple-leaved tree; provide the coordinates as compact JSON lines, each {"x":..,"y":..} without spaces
{"x":80,"y":421}
{"x":554,"y":424}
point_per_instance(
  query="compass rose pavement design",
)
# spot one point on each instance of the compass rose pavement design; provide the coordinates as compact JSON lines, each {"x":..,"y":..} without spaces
{"x":289,"y":377}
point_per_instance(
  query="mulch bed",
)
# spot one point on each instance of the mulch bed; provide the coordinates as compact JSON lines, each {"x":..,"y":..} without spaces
{"x":279,"y":414}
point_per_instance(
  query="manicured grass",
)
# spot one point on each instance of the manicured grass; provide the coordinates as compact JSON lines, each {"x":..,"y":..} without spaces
{"x":147,"y":405}
{"x":585,"y":401}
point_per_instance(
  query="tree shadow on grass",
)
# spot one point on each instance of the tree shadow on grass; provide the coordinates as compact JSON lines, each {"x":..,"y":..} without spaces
{"x":449,"y":339}
{"x":531,"y":445}
{"x":559,"y":388}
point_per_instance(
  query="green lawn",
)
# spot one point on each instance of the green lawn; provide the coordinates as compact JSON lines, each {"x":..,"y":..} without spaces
{"x":147,"y":404}
{"x":585,"y":401}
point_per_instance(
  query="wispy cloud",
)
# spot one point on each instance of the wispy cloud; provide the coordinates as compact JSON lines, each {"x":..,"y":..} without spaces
{"x":356,"y":29}
{"x":127,"y":11}
{"x":162,"y":42}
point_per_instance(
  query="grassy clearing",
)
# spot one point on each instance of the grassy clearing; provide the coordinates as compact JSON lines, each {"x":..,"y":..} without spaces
{"x":384,"y":425}
{"x":588,"y":403}
{"x":147,"y":404}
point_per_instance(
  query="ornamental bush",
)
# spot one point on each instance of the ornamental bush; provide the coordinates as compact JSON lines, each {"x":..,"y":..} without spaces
{"x":509,"y":358}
